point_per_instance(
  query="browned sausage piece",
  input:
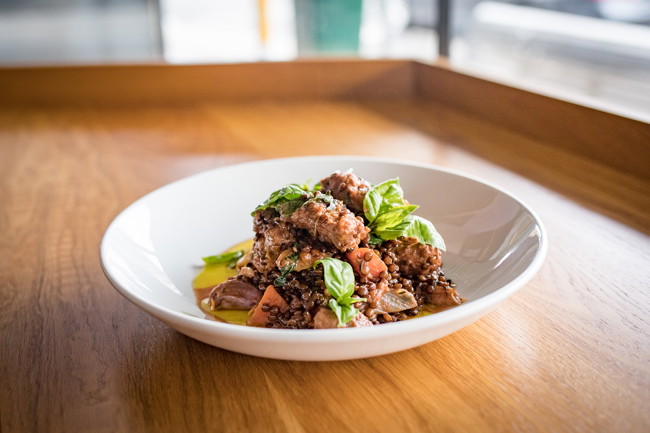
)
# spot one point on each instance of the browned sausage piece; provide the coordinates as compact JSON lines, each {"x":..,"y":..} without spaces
{"x":444,"y":296}
{"x":414,"y":259}
{"x":349,"y":188}
{"x":332,"y":223}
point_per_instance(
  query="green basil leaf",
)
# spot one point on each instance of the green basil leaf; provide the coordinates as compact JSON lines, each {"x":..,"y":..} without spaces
{"x":289,"y":207}
{"x":336,"y":308}
{"x":426,"y":233}
{"x":350,"y":301}
{"x":393,"y":216}
{"x":289,"y":192}
{"x":389,"y":217}
{"x":224,"y":258}
{"x":339,"y":280}
{"x":338,"y":276}
{"x":344,"y":313}
{"x":288,"y":199}
{"x":375,"y":240}
{"x":394,"y":232}
{"x":417,"y":227}
{"x":382,"y":197}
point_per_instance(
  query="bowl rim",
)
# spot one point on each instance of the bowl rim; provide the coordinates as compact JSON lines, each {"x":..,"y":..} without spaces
{"x":463,"y":311}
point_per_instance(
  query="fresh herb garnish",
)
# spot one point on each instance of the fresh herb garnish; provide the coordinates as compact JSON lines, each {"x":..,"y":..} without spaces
{"x":375,"y":240}
{"x":389,"y":216}
{"x":339,"y":280}
{"x":424,"y":230}
{"x":283,"y":195}
{"x":288,"y":199}
{"x":324,"y":198}
{"x":229,"y":258}
{"x":381,"y":198}
{"x":279,"y":281}
{"x":289,"y":207}
{"x":392,"y":217}
{"x":305,"y":186}
{"x":286,"y":270}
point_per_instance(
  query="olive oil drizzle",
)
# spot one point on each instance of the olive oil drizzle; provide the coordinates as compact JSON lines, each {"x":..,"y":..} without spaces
{"x":210,"y":276}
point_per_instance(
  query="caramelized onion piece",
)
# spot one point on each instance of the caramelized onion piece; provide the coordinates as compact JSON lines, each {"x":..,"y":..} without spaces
{"x":235,"y":295}
{"x":396,"y":300}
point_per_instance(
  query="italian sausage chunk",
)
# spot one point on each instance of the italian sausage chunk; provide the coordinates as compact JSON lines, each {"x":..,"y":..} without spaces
{"x":331,"y":223}
{"x":349,"y":188}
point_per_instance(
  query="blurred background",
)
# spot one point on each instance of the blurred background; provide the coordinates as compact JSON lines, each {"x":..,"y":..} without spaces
{"x":590,"y":51}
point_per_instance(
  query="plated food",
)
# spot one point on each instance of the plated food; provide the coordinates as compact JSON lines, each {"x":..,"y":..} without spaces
{"x":494,"y":245}
{"x":343,"y":253}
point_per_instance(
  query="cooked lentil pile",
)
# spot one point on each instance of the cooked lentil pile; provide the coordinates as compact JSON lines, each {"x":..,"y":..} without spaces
{"x":341,"y":254}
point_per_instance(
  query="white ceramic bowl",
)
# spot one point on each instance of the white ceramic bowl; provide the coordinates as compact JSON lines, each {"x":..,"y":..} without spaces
{"x":495,"y":244}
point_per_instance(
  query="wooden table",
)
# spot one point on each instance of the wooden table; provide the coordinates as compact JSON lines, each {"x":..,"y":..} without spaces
{"x":568,"y":353}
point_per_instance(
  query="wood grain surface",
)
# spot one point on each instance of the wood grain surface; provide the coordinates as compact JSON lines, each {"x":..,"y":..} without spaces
{"x":570,"y":352}
{"x":153,"y":84}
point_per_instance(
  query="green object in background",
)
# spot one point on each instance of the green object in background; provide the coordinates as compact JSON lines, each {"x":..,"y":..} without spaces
{"x":328,"y":26}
